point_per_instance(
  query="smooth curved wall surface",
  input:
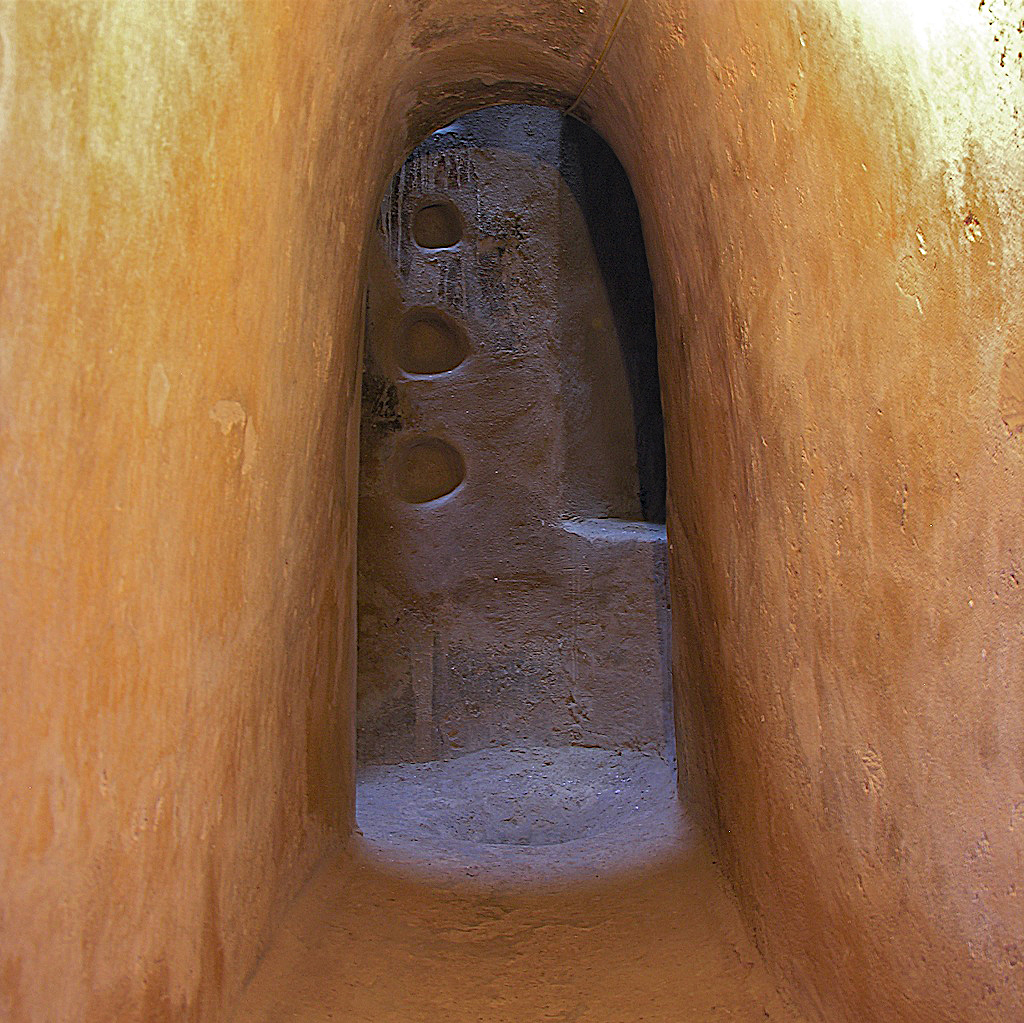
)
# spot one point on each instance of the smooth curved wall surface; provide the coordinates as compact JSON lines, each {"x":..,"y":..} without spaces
{"x":175,"y":418}
{"x":831,"y":196}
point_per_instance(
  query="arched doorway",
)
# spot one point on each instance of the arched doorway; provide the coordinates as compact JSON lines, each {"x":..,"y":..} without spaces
{"x":513,"y":602}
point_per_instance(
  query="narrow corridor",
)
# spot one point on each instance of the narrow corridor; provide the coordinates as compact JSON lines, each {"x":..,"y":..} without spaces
{"x":300,"y":500}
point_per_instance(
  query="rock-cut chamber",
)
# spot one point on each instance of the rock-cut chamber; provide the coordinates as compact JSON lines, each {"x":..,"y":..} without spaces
{"x":512,"y":576}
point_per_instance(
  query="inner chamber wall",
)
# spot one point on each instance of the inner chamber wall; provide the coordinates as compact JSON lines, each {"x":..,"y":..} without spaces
{"x":513,"y":591}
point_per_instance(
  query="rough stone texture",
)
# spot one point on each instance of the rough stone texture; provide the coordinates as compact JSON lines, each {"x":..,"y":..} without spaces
{"x":831,"y":197}
{"x":502,"y":598}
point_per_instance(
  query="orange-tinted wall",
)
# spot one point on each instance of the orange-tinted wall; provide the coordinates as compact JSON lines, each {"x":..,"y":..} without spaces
{"x":176,"y":600}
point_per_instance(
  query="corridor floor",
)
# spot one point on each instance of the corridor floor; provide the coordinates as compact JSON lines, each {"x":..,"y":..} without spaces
{"x":514,"y":886}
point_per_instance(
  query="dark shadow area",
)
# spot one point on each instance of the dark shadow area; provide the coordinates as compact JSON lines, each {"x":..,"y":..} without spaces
{"x":601,"y":187}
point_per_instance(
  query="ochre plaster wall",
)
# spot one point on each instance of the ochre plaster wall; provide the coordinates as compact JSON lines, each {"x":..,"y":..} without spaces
{"x":831,"y":198}
{"x":176,"y":601}
{"x":834,"y":214}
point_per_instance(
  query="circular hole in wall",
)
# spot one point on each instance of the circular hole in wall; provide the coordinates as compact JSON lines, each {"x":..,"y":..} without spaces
{"x":427,"y":469}
{"x":430,"y":343}
{"x":437,"y":225}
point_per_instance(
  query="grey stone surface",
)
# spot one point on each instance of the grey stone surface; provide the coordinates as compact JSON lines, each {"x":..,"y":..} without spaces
{"x":509,"y":590}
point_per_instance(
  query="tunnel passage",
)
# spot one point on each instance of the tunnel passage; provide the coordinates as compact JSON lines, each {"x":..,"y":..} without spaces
{"x":512,"y":580}
{"x":831,"y":197}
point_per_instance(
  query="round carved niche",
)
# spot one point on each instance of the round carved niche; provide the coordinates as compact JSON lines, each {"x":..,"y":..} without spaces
{"x":430,"y":342}
{"x":427,"y":469}
{"x":437,"y":225}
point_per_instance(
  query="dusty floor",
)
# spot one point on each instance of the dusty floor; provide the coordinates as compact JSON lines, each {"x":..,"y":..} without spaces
{"x":517,"y":885}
